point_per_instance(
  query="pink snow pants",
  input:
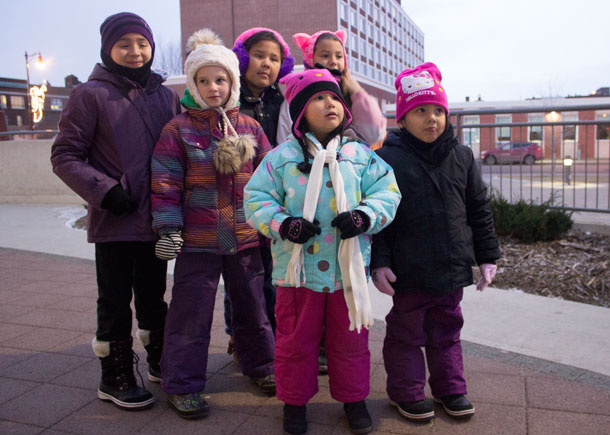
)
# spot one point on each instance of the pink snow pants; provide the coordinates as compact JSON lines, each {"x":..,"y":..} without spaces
{"x":301,"y":315}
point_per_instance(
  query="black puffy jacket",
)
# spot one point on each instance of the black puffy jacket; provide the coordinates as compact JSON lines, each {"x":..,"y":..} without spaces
{"x":266,"y":110}
{"x":444,"y":224}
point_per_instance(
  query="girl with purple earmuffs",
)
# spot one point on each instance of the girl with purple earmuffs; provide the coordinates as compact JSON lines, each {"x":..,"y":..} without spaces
{"x":264,"y":58}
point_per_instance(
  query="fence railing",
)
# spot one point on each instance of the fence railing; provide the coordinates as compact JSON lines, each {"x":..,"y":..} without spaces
{"x":563,"y":161}
{"x":27,"y":134}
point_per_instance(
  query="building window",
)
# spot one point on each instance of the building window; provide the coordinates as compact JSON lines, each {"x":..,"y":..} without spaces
{"x":471,"y":135}
{"x":353,"y":43}
{"x":17,"y":102}
{"x":3,"y":104}
{"x":344,"y":12}
{"x":536,"y":131}
{"x":603,"y":128}
{"x":56,"y":104}
{"x":569,"y":131}
{"x":19,"y":121}
{"x":503,"y":133}
{"x":353,"y":18}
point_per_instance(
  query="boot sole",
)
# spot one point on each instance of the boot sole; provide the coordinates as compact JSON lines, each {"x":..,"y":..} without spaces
{"x":189,"y":415}
{"x":125,"y":405}
{"x":153,"y":378}
{"x":362,"y":430}
{"x":466,"y":413}
{"x":418,"y":418}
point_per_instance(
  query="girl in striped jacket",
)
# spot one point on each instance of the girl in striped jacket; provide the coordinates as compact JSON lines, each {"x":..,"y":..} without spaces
{"x":200,"y":166}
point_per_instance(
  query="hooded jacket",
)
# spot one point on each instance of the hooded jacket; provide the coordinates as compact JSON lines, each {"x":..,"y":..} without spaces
{"x":191,"y":195}
{"x":444,"y":224}
{"x":107,"y":133}
{"x":277,"y":191}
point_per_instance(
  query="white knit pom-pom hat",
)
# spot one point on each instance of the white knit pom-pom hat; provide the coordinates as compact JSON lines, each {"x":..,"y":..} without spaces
{"x":205,"y":48}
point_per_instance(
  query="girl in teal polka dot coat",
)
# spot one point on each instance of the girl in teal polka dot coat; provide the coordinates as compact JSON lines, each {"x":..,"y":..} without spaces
{"x":320,"y":196}
{"x":276,"y":192}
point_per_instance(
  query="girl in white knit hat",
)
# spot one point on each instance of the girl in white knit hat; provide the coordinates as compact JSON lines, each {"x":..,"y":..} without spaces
{"x":200,"y":165}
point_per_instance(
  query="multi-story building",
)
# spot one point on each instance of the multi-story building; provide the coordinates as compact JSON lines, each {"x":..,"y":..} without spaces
{"x":14,"y":106}
{"x":382,"y":40}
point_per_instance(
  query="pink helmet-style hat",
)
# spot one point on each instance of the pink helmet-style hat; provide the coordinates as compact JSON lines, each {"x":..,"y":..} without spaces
{"x":244,"y":58}
{"x":418,"y":86}
{"x":301,"y":87}
{"x":307,"y":44}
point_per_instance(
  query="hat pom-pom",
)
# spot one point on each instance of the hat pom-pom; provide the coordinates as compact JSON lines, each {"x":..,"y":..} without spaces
{"x":200,"y":37}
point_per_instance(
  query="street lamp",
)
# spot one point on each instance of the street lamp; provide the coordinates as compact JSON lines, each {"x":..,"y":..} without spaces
{"x":40,"y":63}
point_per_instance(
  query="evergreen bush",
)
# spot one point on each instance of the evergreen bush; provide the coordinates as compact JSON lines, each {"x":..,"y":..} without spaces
{"x":528,"y":221}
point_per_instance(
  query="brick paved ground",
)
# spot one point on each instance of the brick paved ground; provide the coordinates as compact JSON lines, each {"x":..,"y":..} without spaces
{"x":49,"y":376}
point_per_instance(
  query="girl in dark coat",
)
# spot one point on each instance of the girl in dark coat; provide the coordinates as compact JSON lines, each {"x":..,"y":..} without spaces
{"x":443,"y":227}
{"x":103,"y":150}
{"x":264,"y":58}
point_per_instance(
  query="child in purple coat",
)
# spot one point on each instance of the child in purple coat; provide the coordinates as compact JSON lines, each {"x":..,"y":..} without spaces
{"x":106,"y":137}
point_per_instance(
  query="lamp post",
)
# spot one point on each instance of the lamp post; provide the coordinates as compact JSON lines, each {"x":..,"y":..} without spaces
{"x":567,"y":169}
{"x":27,"y":74}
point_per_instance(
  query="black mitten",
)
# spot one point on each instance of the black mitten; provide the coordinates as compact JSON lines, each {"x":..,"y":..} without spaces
{"x":118,"y":201}
{"x":351,"y":223}
{"x":298,"y":229}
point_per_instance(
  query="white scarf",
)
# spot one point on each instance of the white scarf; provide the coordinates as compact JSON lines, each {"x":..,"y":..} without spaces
{"x":355,"y":287}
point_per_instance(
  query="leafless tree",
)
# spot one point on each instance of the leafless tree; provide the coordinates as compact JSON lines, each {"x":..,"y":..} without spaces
{"x":168,"y":57}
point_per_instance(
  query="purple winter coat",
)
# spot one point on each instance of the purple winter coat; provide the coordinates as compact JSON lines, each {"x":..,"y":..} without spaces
{"x":107,"y":133}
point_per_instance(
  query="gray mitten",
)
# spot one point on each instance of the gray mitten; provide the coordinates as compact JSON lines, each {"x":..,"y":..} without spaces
{"x":168,"y":246}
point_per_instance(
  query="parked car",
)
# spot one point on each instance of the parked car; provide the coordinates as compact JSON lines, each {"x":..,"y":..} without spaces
{"x":521,"y":152}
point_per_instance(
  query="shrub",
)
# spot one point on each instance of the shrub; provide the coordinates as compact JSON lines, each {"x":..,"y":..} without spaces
{"x":528,"y":221}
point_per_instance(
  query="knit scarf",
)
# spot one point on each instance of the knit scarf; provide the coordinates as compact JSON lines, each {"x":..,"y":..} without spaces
{"x":351,"y":263}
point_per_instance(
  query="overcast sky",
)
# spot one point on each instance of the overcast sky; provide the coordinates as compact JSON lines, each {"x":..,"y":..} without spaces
{"x":498,"y":50}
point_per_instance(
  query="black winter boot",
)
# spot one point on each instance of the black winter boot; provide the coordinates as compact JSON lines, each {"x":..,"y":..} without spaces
{"x":358,"y":417}
{"x":153,"y":343}
{"x":118,"y":383}
{"x":295,"y":419}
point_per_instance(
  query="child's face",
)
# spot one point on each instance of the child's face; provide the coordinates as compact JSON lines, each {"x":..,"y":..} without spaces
{"x":329,"y":53}
{"x":264,"y":65}
{"x":131,"y":51}
{"x":213,"y":84}
{"x":426,"y":122}
{"x":323,"y":114}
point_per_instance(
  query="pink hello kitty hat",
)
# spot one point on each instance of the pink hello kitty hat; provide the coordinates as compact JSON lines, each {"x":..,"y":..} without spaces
{"x":418,"y":86}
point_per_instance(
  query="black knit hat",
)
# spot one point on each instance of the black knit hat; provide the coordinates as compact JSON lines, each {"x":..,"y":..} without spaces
{"x":117,"y":25}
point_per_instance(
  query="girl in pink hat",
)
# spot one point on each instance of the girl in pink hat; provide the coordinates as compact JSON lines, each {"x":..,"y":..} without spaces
{"x":326,"y":49}
{"x":319,"y":196}
{"x":424,"y":259}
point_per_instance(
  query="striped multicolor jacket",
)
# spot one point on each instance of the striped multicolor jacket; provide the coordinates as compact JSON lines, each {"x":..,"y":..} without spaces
{"x":187,"y":192}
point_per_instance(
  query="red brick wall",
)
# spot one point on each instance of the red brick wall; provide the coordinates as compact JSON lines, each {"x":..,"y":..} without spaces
{"x":586,"y":135}
{"x":229,"y":18}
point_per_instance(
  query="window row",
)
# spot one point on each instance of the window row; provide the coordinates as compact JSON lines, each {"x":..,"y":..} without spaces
{"x":536,"y":133}
{"x":18,"y":102}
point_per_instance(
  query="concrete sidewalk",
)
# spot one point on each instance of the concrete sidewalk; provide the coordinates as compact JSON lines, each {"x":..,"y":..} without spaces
{"x":534,"y":365}
{"x":551,"y":329}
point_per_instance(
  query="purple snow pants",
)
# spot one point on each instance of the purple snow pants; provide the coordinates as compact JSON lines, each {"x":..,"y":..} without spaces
{"x":300,"y":316}
{"x":418,"y":320}
{"x":189,"y":319}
